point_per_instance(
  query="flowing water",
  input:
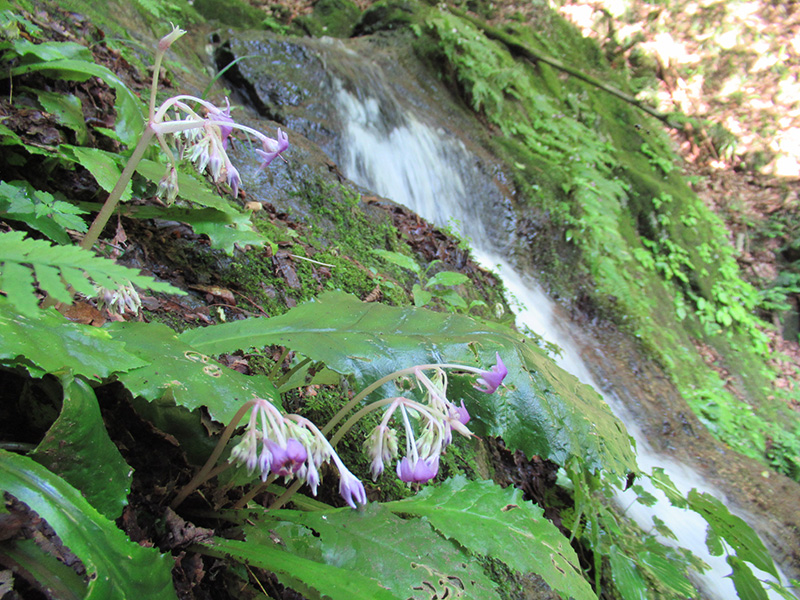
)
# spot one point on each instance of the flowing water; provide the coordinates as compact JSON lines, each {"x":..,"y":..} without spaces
{"x":403,"y":138}
{"x":429,"y":172}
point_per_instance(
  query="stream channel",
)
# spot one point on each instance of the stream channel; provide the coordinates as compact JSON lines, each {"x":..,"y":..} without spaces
{"x":398,"y":133}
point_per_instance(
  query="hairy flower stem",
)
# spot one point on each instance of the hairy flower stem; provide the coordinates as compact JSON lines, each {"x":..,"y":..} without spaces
{"x":113,"y":198}
{"x":208,"y":471}
{"x":386,"y":379}
{"x":111,"y":202}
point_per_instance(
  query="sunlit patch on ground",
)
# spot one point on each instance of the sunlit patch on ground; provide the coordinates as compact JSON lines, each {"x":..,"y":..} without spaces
{"x":735,"y":64}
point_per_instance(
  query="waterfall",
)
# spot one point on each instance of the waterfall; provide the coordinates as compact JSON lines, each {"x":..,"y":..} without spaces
{"x":430,"y":172}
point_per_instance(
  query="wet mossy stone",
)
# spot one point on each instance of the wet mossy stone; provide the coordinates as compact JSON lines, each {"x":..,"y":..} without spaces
{"x":333,"y":18}
{"x":389,"y":15}
{"x":234,"y":13}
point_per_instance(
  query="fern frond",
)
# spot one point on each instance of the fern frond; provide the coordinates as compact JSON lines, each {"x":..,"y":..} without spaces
{"x":19,"y":201}
{"x":26,"y":264}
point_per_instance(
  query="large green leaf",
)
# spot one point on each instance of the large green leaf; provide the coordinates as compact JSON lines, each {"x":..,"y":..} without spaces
{"x":130,"y":110}
{"x":106,"y":167}
{"x":226,"y":230}
{"x":67,"y":109}
{"x":191,"y":378}
{"x":627,"y":579}
{"x":738,"y":534}
{"x":48,"y":343}
{"x":77,"y":448}
{"x":51,"y":575}
{"x":405,"y":556}
{"x":489,"y":520}
{"x":116,"y":567}
{"x":542,"y":410}
{"x":313,"y":579}
{"x":748,"y":587}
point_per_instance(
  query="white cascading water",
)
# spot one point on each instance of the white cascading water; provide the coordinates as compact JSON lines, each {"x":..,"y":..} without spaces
{"x":424,"y":170}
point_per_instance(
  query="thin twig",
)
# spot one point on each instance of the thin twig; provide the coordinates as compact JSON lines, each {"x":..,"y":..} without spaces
{"x":534,"y":56}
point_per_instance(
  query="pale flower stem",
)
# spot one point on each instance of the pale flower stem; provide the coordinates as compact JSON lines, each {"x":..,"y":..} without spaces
{"x":255,"y":492}
{"x":287,"y":495}
{"x":357,"y":416}
{"x":113,"y":198}
{"x":167,"y":151}
{"x":386,"y":379}
{"x":205,"y":472}
{"x":154,"y":85}
{"x":411,"y":446}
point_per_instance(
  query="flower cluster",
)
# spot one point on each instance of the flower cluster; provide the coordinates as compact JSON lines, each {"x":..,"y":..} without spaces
{"x":275,"y":444}
{"x":203,"y":138}
{"x":124,"y":298}
{"x":436,"y":417}
{"x":291,"y":446}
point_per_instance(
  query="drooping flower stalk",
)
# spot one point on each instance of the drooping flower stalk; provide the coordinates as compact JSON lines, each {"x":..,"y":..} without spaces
{"x":500,"y":373}
{"x":205,"y":472}
{"x":204,"y":139}
{"x":290,"y":446}
{"x":278,"y":445}
{"x":437,"y":416}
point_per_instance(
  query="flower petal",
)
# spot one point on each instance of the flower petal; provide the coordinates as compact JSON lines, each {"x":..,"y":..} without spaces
{"x":351,"y":489}
{"x":489,"y":381}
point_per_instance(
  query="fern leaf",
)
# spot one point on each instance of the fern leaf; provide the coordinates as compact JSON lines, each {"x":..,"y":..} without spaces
{"x":26,"y":264}
{"x":19,"y":201}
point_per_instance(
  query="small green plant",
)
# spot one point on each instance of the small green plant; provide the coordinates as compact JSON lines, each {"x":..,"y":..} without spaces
{"x":428,"y":287}
{"x":657,"y":160}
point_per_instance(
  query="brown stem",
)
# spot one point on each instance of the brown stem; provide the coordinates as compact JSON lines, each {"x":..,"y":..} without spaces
{"x":205,"y":472}
{"x":534,"y":56}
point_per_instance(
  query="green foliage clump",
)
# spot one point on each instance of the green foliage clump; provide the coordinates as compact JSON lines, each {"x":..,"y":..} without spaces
{"x":659,"y":261}
{"x":333,"y":18}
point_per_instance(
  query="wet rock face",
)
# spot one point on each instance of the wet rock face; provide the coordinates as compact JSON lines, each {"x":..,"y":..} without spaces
{"x":283,"y":80}
{"x":297,"y":81}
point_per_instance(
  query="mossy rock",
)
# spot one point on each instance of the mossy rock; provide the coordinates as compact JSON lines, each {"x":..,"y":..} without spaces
{"x":334,"y":18}
{"x":389,"y":15}
{"x":234,"y":13}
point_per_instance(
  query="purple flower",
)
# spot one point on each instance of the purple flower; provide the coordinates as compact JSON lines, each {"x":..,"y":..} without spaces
{"x":463,"y":415}
{"x":490,"y":380}
{"x":286,"y":461}
{"x":351,"y":489}
{"x":224,"y":116}
{"x":272,"y":148}
{"x":311,"y":475}
{"x":418,"y":471}
{"x":233,"y":178}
